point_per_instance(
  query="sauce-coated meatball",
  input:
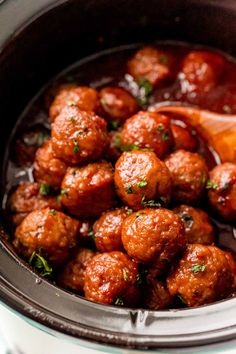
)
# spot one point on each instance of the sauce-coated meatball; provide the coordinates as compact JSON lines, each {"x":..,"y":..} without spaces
{"x":117,"y":104}
{"x":198,"y":227}
{"x":183,"y":138}
{"x":47,"y":168}
{"x":151,"y":64}
{"x":49,"y":231}
{"x":148,"y":130}
{"x":222,"y":190}
{"x":157,"y":296}
{"x":201,"y":71}
{"x":88,"y":191}
{"x":30,"y":196}
{"x":141,"y":177}
{"x":202,"y":276}
{"x":107,"y":230}
{"x":189,"y":175}
{"x":153,"y":235}
{"x":85,"y":98}
{"x":110,"y":278}
{"x":78,"y":136}
{"x":72,"y":276}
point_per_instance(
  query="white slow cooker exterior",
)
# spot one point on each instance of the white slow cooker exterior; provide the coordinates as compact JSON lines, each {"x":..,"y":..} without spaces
{"x":22,"y":335}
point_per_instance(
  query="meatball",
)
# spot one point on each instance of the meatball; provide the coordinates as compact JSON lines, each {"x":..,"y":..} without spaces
{"x":85,"y":98}
{"x":189,"y":175}
{"x":202,"y":276}
{"x":201,"y":71}
{"x":198,"y":227}
{"x":78,"y":136}
{"x":72,"y":276}
{"x":110,"y":278}
{"x":49,"y":231}
{"x":107,"y":230}
{"x":153,"y":236}
{"x":183,"y":138}
{"x":117,"y":104}
{"x":47,"y":168}
{"x":222,"y":190}
{"x":30,"y":196}
{"x":89,"y":190}
{"x":151,"y":64}
{"x":157,"y":296}
{"x":148,"y":130}
{"x":142,"y":179}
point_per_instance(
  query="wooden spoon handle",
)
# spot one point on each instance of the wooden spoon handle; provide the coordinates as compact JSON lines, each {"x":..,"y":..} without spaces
{"x":218,"y":129}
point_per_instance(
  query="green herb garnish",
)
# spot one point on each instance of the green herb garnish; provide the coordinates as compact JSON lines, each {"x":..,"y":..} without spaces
{"x":129,"y":147}
{"x":64,"y":192}
{"x":139,"y":214}
{"x":119,"y":302}
{"x":40,"y":264}
{"x":141,"y":277}
{"x":129,"y":211}
{"x":72,"y":119}
{"x":52,"y":212}
{"x":211,"y":185}
{"x":76,"y":147}
{"x":165,"y":136}
{"x":150,"y":203}
{"x":198,"y":268}
{"x":114,"y":124}
{"x":128,"y":188}
{"x":145,"y":89}
{"x":142,"y":183}
{"x":44,"y":189}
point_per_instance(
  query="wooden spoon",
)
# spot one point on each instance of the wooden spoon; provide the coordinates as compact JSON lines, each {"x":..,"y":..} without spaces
{"x":218,"y":129}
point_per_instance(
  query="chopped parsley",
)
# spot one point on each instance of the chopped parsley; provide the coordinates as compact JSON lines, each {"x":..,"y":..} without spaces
{"x":125,"y":274}
{"x":129,"y":211}
{"x":150,"y":203}
{"x":160,"y":128}
{"x":40,"y":264}
{"x":91,"y":233}
{"x":72,"y":119}
{"x":119,"y":302}
{"x":64,"y":192}
{"x":211,"y":185}
{"x":165,"y":136}
{"x":139,"y":214}
{"x":141,"y":277}
{"x":114,"y":124}
{"x":198,"y":268}
{"x":44,"y":189}
{"x":129,"y":147}
{"x":76,"y":147}
{"x":71,"y":103}
{"x":52,"y":212}
{"x":145,"y":89}
{"x":142,"y":183}
{"x":128,"y":188}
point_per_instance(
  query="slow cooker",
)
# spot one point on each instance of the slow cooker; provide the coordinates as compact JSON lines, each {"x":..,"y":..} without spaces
{"x":37,"y":40}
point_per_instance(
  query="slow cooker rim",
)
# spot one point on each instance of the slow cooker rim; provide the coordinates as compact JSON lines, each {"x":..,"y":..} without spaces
{"x":55,"y":322}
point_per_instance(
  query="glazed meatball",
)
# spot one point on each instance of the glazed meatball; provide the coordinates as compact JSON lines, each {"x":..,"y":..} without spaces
{"x":49,"y":231}
{"x":201,"y":71}
{"x":222,"y":190}
{"x":198,"y":227}
{"x":114,"y":149}
{"x":107,"y":230}
{"x":148,"y":130}
{"x":78,"y":136}
{"x":189,"y":175}
{"x":151,"y":64}
{"x":30,"y":196}
{"x":110,"y":278}
{"x":202,"y":276}
{"x":72,"y":276}
{"x":117,"y":104}
{"x":47,"y":168}
{"x":85,"y":98}
{"x":157,"y":296}
{"x":89,"y":190}
{"x":142,"y":179}
{"x":153,"y":236}
{"x":183,"y":138}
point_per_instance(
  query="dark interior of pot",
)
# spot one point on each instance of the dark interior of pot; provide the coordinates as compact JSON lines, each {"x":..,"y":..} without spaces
{"x":47,"y":45}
